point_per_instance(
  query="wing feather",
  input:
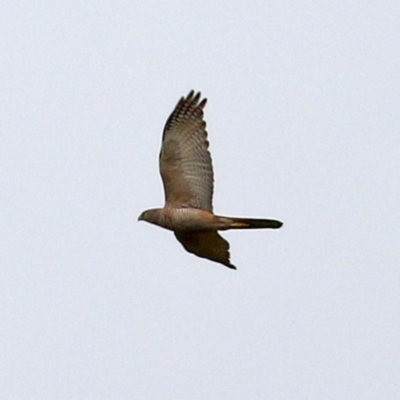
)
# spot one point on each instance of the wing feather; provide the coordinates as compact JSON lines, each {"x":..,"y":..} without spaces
{"x":206,"y":244}
{"x":185,"y":162}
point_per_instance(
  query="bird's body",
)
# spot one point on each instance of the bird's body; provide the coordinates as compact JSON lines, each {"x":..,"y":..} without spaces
{"x":184,"y":219}
{"x":187,"y":219}
{"x":187,"y":174}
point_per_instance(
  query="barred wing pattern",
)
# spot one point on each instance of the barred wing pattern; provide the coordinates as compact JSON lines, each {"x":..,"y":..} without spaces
{"x":185,"y":162}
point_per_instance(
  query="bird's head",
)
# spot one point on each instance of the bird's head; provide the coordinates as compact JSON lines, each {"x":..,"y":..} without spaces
{"x":151,"y":216}
{"x":143,"y":216}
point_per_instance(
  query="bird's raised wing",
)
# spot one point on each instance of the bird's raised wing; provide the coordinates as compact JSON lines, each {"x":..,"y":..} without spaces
{"x":206,"y":244}
{"x":185,"y":162}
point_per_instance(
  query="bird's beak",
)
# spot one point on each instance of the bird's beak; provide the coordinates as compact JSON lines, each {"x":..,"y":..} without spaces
{"x":140,"y":218}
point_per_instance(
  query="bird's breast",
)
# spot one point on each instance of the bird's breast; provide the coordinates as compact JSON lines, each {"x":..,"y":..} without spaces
{"x":189,"y":219}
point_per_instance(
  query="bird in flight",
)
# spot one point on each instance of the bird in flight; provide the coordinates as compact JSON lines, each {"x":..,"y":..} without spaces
{"x":187,"y":174}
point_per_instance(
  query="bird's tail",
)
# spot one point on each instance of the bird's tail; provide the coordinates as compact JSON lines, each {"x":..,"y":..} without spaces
{"x":253,"y":223}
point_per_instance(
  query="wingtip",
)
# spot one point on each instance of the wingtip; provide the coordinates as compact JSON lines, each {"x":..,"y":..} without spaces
{"x":190,"y":95}
{"x":195,"y":98}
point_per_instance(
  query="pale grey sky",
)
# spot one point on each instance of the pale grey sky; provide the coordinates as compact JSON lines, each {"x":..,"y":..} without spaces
{"x":303,"y":117}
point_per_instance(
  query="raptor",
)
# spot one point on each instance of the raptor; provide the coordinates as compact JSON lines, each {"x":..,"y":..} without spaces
{"x":188,"y":179}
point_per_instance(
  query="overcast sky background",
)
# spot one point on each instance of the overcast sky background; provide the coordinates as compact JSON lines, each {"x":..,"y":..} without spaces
{"x":303,"y":117}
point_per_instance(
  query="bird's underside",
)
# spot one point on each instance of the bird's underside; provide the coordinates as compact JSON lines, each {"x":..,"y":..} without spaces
{"x":210,"y":244}
{"x":187,"y":174}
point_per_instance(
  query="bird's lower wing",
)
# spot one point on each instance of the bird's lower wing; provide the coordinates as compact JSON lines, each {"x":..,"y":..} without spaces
{"x":206,"y":244}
